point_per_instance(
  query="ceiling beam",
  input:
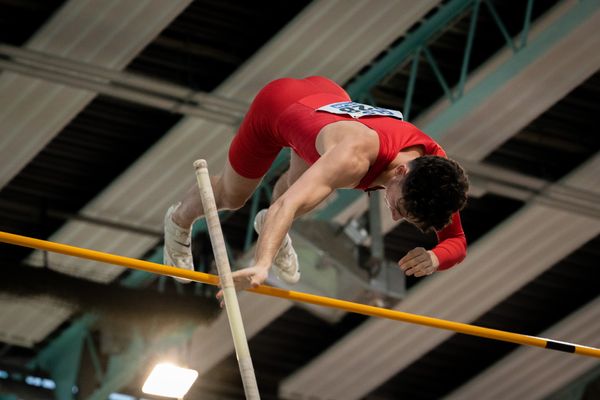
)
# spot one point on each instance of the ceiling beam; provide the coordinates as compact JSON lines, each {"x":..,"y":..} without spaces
{"x":33,"y":111}
{"x":512,"y":89}
{"x":121,"y":85}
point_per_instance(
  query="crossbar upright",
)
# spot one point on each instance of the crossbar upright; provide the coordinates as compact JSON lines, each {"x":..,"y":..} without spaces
{"x":229,"y":294}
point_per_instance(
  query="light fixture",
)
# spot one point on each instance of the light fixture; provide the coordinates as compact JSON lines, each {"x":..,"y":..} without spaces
{"x":169,"y":380}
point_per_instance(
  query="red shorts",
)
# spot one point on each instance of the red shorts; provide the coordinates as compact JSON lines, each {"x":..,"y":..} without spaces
{"x":259,"y":138}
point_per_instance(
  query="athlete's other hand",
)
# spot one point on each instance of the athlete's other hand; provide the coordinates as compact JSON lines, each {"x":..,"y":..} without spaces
{"x":246,"y":278}
{"x":419,"y":262}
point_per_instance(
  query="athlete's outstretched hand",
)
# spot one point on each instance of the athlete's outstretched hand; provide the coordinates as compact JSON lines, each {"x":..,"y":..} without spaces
{"x":246,"y":278}
{"x":419,"y":262}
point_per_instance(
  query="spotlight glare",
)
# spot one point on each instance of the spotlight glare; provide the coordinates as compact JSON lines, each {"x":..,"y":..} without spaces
{"x":169,"y":380}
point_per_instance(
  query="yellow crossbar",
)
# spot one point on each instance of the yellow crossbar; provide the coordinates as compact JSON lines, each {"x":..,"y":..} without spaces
{"x":160,"y":269}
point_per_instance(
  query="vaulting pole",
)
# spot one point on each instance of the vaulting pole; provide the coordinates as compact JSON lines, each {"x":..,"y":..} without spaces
{"x":232,"y":306}
{"x":303,"y":297}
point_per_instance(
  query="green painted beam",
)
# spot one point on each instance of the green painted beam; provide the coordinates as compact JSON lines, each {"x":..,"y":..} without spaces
{"x":62,"y":357}
{"x":535,"y":48}
{"x":436,"y":128}
{"x":400,"y":53}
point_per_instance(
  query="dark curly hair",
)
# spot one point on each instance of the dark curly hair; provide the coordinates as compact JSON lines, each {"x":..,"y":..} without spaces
{"x":434,"y":188}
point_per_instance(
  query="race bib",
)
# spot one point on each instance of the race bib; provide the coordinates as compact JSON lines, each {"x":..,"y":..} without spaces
{"x":357,"y":110}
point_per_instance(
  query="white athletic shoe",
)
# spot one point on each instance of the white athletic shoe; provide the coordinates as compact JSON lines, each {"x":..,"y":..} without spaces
{"x":177,"y":251}
{"x":286,"y":261}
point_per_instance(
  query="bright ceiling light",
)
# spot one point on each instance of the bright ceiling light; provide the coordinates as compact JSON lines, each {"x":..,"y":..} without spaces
{"x":169,"y":380}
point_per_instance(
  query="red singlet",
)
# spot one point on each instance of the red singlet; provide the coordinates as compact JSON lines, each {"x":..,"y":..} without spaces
{"x":284,"y":114}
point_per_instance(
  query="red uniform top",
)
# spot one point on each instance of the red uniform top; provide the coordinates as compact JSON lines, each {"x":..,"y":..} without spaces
{"x":284,"y":114}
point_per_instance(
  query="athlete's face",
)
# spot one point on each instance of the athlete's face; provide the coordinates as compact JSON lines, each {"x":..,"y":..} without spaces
{"x":393,"y":199}
{"x":393,"y":194}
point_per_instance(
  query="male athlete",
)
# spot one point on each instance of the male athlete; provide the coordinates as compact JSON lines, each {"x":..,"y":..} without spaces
{"x":335,"y":143}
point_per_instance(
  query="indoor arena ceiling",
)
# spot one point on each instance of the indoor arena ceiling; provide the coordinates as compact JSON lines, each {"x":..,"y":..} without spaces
{"x":105,"y":104}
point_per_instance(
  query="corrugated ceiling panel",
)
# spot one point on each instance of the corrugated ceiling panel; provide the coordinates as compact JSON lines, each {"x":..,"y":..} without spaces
{"x":27,"y":321}
{"x":109,"y":33}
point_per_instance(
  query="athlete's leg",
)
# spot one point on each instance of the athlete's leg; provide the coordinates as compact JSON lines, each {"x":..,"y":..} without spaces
{"x":252,"y":151}
{"x":231,"y":193}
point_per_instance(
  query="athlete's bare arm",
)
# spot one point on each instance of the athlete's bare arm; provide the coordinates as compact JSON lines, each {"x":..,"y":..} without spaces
{"x":341,"y":166}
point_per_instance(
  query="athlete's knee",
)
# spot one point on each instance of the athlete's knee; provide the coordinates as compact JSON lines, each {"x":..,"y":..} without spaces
{"x":229,"y":202}
{"x":227,"y":199}
{"x":234,"y":202}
